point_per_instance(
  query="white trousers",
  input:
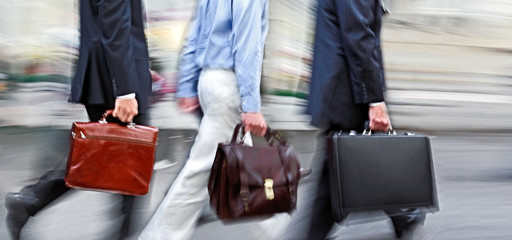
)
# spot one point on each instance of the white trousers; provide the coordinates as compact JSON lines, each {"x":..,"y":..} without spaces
{"x":179,"y":211}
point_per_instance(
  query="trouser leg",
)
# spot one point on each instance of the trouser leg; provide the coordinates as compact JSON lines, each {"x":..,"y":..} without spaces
{"x":177,"y":215}
{"x":49,"y":187}
{"x":299,"y":225}
{"x":321,"y":217}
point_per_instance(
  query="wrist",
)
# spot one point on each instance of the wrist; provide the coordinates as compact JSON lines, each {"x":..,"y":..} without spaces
{"x":374,"y":104}
{"x":127,"y":96}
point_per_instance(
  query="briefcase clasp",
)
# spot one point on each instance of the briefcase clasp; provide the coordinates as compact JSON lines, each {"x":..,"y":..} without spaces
{"x":369,"y":132}
{"x":269,"y":190}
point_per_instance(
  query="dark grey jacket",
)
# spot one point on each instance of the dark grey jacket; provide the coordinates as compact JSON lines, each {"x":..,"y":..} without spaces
{"x":347,"y":70}
{"x":113,"y":58}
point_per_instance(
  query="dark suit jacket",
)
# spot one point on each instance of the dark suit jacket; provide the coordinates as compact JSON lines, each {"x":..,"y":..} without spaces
{"x":113,"y":58}
{"x":347,"y":69}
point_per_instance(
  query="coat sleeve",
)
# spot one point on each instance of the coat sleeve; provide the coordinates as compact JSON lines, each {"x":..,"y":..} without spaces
{"x":116,"y":24}
{"x":359,"y":24}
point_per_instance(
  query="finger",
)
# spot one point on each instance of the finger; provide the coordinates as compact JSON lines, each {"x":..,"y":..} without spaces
{"x":255,"y":131}
{"x":128,"y":118}
{"x":186,"y":105}
{"x":122,"y":117}
{"x":247,"y":128}
{"x":187,"y":109}
{"x":262,"y":132}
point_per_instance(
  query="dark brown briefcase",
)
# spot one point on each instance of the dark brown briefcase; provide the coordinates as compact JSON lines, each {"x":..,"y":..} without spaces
{"x":111,"y":157}
{"x":250,"y":181}
{"x":380,"y":172}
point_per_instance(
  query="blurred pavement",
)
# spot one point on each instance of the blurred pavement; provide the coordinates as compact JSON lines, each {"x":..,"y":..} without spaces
{"x":473,"y":172}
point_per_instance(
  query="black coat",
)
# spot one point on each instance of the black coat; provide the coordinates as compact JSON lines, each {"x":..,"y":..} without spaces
{"x":113,"y":58}
{"x":347,"y":69}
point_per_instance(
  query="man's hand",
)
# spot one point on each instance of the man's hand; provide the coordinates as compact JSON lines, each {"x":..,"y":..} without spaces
{"x":379,"y":119}
{"x":254,"y":123}
{"x":188,"y":104}
{"x":125,"y":109}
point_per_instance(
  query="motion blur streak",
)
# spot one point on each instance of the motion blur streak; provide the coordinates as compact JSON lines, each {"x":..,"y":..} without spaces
{"x":448,"y":66}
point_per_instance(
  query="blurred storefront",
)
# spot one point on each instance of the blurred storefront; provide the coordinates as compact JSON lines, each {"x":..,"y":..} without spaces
{"x":443,"y":60}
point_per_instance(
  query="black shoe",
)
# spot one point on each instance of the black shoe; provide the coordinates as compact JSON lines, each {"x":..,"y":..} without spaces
{"x":405,"y":224}
{"x":20,"y":207}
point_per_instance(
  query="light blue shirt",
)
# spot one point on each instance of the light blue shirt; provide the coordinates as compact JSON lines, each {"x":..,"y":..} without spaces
{"x":226,"y":34}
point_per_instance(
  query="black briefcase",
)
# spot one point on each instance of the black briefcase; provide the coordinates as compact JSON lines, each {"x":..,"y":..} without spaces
{"x":380,"y":172}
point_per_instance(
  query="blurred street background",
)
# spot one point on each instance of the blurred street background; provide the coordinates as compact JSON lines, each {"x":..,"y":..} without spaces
{"x":449,"y":75}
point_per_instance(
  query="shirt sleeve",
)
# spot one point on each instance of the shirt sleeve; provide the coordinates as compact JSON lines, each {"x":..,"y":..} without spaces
{"x":188,"y":69}
{"x":249,"y":33}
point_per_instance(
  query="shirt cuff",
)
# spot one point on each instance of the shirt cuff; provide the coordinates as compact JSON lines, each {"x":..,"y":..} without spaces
{"x":186,"y":90}
{"x":250,"y":105}
{"x":127,"y":96}
{"x":375,"y":104}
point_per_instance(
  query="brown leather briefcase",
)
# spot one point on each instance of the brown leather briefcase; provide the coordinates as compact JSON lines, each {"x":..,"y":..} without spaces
{"x":111,"y":157}
{"x":253,"y":181}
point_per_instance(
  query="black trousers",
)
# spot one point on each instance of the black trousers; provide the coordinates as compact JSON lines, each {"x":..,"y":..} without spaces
{"x":51,"y":185}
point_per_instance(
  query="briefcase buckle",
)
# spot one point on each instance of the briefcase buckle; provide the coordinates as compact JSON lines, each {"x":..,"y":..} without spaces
{"x":269,"y":190}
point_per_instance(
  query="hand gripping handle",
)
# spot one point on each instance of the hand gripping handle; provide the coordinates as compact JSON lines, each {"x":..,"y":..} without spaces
{"x":109,"y":112}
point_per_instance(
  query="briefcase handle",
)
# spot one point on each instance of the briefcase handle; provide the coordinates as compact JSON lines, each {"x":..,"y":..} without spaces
{"x":367,"y":131}
{"x":109,"y":112}
{"x":270,"y":135}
